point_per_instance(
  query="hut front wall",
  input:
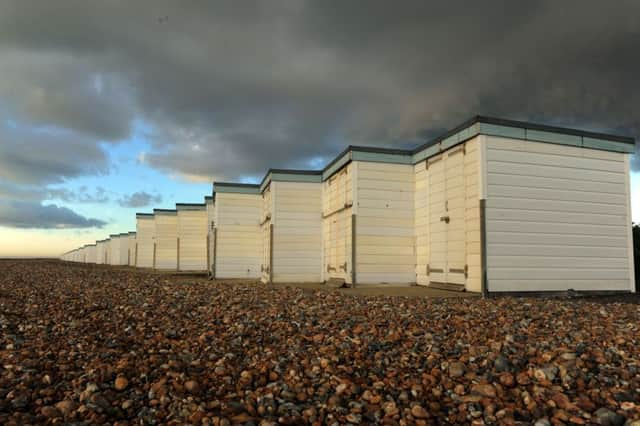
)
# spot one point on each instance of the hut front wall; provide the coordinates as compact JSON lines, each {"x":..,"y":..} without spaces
{"x":449,"y":250}
{"x":192,"y":232}
{"x":337,"y":208}
{"x":265,"y":230}
{"x":558,"y":218}
{"x":166,"y":240}
{"x":238,"y":240}
{"x":384,"y":223}
{"x":145,"y":233}
{"x":297,"y":232}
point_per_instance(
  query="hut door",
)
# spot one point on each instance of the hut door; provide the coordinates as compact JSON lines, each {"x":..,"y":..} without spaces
{"x":447,"y":240}
{"x":338,"y":221}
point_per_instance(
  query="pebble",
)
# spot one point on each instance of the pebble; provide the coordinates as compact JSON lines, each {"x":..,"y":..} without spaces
{"x":192,"y":386}
{"x":66,"y":407}
{"x":456,"y":369}
{"x":137,"y":347}
{"x":486,"y":390}
{"x":121,"y":383}
{"x":607,"y":417}
{"x":419,"y":412}
{"x":50,"y":412}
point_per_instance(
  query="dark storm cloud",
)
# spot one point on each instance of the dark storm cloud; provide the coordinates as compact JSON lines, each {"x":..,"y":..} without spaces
{"x":232,"y":88}
{"x":28,"y":214}
{"x":43,"y":156}
{"x":139,"y":199}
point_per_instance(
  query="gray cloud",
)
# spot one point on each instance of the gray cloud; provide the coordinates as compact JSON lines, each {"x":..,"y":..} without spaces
{"x":31,"y":156}
{"x":29,"y":214}
{"x":232,"y":88}
{"x":139,"y":199}
{"x":81,"y":195}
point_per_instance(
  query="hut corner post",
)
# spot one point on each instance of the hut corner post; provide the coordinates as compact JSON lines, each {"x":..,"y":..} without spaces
{"x":483,"y":248}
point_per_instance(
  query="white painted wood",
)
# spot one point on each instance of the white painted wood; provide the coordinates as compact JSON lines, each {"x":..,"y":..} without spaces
{"x":297,"y":231}
{"x":192,"y":232}
{"x":557,"y":218}
{"x":337,"y":192}
{"x":166,"y":240}
{"x":385,"y":221}
{"x":91,"y":254}
{"x":100,"y":253}
{"x":630,"y":257}
{"x":239,"y":241}
{"x":145,"y":235}
{"x":266,"y":221}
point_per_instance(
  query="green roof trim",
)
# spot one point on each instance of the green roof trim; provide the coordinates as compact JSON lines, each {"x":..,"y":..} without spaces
{"x":165,"y":212}
{"x":191,"y":207}
{"x":290,"y":175}
{"x":236,"y":188}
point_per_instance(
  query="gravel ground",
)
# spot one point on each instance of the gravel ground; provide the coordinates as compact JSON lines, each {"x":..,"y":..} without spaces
{"x":89,"y":344}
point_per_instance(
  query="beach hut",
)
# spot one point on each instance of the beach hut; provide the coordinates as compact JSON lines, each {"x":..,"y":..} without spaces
{"x":238,"y":242}
{"x":493,"y":206}
{"x":368,"y":218}
{"x":192,"y":232}
{"x":166,"y":239}
{"x":144,"y":255}
{"x":291,"y":226}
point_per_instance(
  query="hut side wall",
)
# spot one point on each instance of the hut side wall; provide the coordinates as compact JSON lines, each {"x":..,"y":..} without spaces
{"x":558,"y":217}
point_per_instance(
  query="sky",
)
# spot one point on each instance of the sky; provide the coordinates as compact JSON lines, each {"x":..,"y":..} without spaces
{"x":114,"y":107}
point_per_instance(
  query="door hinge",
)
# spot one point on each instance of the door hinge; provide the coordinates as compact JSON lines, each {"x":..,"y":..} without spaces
{"x":466,"y":271}
{"x":428,"y":269}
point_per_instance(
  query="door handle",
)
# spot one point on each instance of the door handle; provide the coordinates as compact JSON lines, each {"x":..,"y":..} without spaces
{"x":444,"y":219}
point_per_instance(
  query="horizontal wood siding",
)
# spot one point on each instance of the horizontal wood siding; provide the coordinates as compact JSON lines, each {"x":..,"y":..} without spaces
{"x":239,"y":243}
{"x":114,"y":251}
{"x":265,"y":231}
{"x":337,"y":192}
{"x":100,"y":253}
{"x":145,"y":235}
{"x":297,"y":246}
{"x":385,"y":223}
{"x":166,"y":240}
{"x":557,"y":218}
{"x":421,"y":228}
{"x":91,"y":254}
{"x":123,"y":242}
{"x":192,"y":232}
